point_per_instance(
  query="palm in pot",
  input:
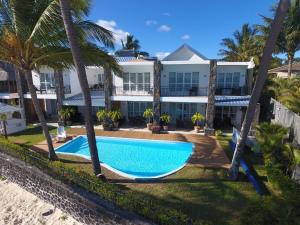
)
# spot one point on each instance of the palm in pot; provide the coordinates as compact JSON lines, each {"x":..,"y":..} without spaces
{"x":197,"y":118}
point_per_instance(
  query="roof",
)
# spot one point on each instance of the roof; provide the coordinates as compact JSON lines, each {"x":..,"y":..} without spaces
{"x":4,"y":108}
{"x":181,"y":48}
{"x":232,"y":100}
{"x":125,"y":59}
{"x":295,"y":68}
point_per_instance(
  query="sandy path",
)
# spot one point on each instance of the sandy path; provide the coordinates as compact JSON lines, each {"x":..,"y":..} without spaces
{"x":19,"y":207}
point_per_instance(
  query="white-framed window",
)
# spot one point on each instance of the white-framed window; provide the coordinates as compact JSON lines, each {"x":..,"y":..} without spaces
{"x":136,"y":81}
{"x":137,"y":108}
{"x":183,"y":81}
{"x":182,"y":111}
{"x":47,"y":81}
{"x":228,"y":80}
{"x":100,"y":78}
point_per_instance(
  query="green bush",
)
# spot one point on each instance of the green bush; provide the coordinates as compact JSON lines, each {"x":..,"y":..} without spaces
{"x":127,"y":199}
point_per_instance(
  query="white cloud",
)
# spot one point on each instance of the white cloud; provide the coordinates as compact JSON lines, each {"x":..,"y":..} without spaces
{"x":186,"y":37}
{"x":111,"y":25}
{"x":150,"y":22}
{"x":164,"y":28}
{"x":161,"y":55}
{"x":167,"y":14}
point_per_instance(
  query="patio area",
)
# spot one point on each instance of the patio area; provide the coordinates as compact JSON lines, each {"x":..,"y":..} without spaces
{"x":207,"y":152}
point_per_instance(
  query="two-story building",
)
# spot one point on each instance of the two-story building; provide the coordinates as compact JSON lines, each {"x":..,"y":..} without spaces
{"x":184,"y":78}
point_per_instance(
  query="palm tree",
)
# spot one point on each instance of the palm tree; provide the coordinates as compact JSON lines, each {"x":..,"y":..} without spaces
{"x":259,"y":84}
{"x":30,"y":39}
{"x":243,"y":47}
{"x":289,"y":38}
{"x":131,"y":43}
{"x":59,"y":90}
{"x":78,"y":61}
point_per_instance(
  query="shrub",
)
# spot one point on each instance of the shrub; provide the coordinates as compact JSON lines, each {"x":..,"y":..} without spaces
{"x":115,"y":115}
{"x":197,"y":118}
{"x":165,"y":118}
{"x":148,"y":114}
{"x":218,"y":133}
{"x":101,"y":115}
{"x":66,"y":113}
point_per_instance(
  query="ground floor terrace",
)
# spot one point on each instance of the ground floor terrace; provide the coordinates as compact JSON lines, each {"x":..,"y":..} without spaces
{"x":201,"y":189}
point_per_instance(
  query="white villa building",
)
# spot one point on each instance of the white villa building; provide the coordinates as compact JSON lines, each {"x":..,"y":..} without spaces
{"x":184,"y":80}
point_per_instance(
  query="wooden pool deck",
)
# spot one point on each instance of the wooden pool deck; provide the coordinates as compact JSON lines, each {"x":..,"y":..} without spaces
{"x":207,"y":153}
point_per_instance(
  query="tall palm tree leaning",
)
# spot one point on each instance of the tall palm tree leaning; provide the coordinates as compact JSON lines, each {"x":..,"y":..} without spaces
{"x":259,"y":84}
{"x":74,"y":44}
{"x":289,"y":37}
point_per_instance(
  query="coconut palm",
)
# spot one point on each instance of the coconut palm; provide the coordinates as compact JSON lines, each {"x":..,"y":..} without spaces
{"x":131,"y":43}
{"x":67,"y":12}
{"x":30,"y":39}
{"x":243,"y":46}
{"x":289,"y":38}
{"x":258,"y":86}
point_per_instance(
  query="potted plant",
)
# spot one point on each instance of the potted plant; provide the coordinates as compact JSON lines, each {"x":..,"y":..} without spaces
{"x":3,"y":118}
{"x":101,"y":115}
{"x":66,"y":114}
{"x":196,"y":119}
{"x":115,"y":116}
{"x":148,"y":114}
{"x":165,"y":118}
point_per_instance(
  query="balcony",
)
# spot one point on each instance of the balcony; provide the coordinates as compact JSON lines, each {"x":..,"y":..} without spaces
{"x":240,"y":91}
{"x":136,"y":90}
{"x":51,"y":90}
{"x":176,"y":92}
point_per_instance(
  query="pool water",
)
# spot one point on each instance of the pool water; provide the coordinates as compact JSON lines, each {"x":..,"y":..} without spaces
{"x":134,"y":158}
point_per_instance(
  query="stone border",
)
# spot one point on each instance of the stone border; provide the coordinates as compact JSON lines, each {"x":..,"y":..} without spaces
{"x":82,"y":205}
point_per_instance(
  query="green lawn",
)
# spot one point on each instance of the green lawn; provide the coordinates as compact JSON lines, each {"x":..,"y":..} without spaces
{"x":203,"y":194}
{"x":32,"y":135}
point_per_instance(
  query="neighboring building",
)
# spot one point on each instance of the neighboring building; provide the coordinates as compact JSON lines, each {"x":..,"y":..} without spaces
{"x":282,"y":71}
{"x":183,"y":87}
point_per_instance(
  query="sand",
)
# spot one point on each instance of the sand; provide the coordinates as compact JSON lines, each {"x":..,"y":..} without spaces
{"x":19,"y":207}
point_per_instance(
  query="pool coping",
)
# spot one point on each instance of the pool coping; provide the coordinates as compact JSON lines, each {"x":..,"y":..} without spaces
{"x":132,"y":177}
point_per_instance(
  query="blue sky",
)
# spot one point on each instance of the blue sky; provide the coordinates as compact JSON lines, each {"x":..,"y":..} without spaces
{"x":161,"y":26}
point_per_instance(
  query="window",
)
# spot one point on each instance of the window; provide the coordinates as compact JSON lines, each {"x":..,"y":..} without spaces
{"x":100,"y":78}
{"x":46,"y":81}
{"x":138,"y":108}
{"x":226,"y":111}
{"x":136,"y":81}
{"x":228,"y":80}
{"x":183,"y":111}
{"x":183,"y":81}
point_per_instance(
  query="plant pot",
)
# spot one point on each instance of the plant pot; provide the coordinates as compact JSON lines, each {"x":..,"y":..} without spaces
{"x":116,"y":124}
{"x":197,"y":129}
{"x":166,"y":128}
{"x":149,"y":126}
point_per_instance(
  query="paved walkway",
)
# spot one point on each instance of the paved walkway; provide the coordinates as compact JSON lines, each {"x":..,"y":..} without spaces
{"x":207,"y":152}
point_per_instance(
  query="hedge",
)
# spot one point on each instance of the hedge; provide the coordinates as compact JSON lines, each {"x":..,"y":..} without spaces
{"x":132,"y":201}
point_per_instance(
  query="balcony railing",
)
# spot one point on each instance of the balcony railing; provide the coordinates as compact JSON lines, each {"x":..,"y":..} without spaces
{"x":67,"y":90}
{"x":232,"y":91}
{"x":177,"y":92}
{"x":136,"y":90}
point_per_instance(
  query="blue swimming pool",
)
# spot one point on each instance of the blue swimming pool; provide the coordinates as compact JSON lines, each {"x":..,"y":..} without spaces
{"x":134,"y":158}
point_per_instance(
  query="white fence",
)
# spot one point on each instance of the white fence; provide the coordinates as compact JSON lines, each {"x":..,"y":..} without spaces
{"x":287,"y":118}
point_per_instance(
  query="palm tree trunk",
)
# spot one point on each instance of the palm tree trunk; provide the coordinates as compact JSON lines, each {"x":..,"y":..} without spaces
{"x":107,"y":88}
{"x":40,"y":114}
{"x":290,"y":64}
{"x":20,"y":92}
{"x":67,"y":18}
{"x":60,"y":92}
{"x":259,"y":84}
{"x":4,"y":128}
